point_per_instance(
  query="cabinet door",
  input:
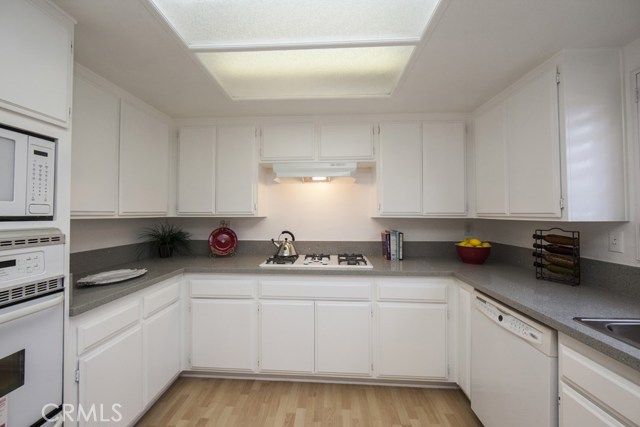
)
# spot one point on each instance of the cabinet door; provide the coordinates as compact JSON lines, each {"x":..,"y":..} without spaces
{"x":534,"y":148}
{"x":400,"y":169}
{"x":223,"y":334}
{"x":196,"y":162}
{"x":444,"y":168}
{"x":343,"y":338}
{"x":111,"y":380}
{"x":288,"y":142}
{"x":236,"y":170}
{"x":286,"y":336}
{"x":464,"y":340}
{"x":491,"y":161}
{"x":144,"y":163}
{"x":161,"y":346}
{"x":94,"y":164}
{"x":35,"y":41}
{"x":577,"y":410}
{"x":346,"y":141}
{"x":412,"y":340}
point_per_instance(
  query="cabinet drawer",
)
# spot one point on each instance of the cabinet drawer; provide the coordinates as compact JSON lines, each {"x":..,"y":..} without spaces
{"x":610,"y":388}
{"x":298,"y":289}
{"x":223,"y":288}
{"x":103,"y":328}
{"x":424,"y":290}
{"x":160,"y":299}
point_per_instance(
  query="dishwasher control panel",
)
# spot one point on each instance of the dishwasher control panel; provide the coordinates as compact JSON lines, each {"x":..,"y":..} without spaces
{"x":528,"y":330}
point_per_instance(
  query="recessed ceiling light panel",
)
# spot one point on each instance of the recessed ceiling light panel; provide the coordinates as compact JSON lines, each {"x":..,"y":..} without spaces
{"x":281,"y":74}
{"x":272,"y":22}
{"x":279,"y":49}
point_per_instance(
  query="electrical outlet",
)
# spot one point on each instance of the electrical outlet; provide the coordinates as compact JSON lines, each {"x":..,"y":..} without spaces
{"x":468,"y":229}
{"x":616,"y":241}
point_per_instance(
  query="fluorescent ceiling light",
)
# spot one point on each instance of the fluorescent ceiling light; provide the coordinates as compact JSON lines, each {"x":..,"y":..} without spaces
{"x":270,"y":49}
{"x":317,"y":73}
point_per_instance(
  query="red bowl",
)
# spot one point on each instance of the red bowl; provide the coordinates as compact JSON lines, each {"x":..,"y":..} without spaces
{"x":473,"y":255}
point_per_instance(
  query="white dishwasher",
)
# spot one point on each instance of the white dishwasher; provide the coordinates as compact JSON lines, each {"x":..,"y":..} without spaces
{"x":514,"y":367}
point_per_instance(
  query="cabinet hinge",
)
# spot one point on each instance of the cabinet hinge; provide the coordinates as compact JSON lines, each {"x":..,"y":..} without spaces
{"x":77,"y":375}
{"x":69,"y":112}
{"x":637,"y":95}
{"x":258,"y":363}
{"x":561,"y":204}
{"x":71,"y":44}
{"x":378,"y":129}
{"x":372,"y":367}
{"x":557,"y":76}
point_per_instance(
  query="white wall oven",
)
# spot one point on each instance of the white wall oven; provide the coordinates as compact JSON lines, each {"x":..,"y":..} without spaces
{"x":27,"y":176}
{"x":31,"y":327}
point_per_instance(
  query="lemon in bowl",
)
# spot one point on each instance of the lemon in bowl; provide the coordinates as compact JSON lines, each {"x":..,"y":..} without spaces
{"x":473,"y":251}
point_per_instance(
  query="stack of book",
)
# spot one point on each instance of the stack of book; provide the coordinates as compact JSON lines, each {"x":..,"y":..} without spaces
{"x":392,"y":244}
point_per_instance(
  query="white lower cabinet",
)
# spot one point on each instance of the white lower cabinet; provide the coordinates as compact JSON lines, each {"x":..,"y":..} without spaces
{"x":326,"y":326}
{"x":412,"y":328}
{"x":463,"y":336}
{"x":343,"y":337}
{"x":412,"y":340}
{"x":162,"y":349}
{"x":577,"y":410}
{"x":110,"y":381}
{"x":223,"y":334}
{"x":595,"y":390}
{"x":286,"y":336}
{"x":127,"y":352}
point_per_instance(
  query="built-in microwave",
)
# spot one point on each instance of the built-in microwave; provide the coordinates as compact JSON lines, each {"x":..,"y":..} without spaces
{"x":27,"y":175}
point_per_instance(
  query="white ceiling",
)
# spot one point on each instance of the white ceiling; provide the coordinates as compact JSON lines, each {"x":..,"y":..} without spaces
{"x":477,"y":48}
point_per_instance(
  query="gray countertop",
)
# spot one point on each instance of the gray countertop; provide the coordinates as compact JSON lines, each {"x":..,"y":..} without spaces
{"x":551,"y":303}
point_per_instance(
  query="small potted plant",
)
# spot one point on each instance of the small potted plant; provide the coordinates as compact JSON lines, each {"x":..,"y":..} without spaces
{"x":166,"y":238}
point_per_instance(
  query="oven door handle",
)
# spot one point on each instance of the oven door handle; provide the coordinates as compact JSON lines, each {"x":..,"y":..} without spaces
{"x":8,"y":317}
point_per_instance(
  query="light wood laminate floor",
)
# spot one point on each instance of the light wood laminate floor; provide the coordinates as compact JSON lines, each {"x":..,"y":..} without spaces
{"x":204,"y":402}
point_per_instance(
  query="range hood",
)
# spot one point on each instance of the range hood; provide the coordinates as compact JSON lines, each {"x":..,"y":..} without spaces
{"x":313,"y":171}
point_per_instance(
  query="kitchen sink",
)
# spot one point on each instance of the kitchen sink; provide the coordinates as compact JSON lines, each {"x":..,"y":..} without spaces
{"x":626,"y":330}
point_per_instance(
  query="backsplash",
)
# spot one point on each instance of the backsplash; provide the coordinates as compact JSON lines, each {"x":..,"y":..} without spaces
{"x":618,"y":278}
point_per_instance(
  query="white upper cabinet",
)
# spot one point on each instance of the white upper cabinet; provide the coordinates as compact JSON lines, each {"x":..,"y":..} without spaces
{"x":94,"y":158}
{"x":196,"y":164}
{"x":316,"y":141}
{"x":399,"y":172}
{"x":144,"y":163}
{"x":236,"y":170}
{"x":443,"y":168}
{"x":37,"y":60}
{"x":421,"y":169}
{"x":287,"y":141}
{"x":352,"y":141}
{"x":491,"y":161}
{"x":218,"y":171}
{"x":534,"y":147}
{"x":551,"y":145}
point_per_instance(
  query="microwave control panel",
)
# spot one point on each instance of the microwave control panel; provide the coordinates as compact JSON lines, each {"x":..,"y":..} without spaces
{"x":22,"y":265}
{"x":40,"y":177}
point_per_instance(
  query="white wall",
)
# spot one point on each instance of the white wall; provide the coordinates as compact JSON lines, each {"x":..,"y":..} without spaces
{"x":594,"y":236}
{"x":312,"y":212}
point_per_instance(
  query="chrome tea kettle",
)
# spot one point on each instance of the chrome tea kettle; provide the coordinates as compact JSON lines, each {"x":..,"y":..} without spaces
{"x":285,"y":247}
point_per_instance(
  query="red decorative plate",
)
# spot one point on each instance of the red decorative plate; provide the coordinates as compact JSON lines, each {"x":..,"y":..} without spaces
{"x":223,"y":241}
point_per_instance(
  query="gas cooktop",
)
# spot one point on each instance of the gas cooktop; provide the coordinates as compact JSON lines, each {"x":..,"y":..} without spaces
{"x":340,"y":261}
